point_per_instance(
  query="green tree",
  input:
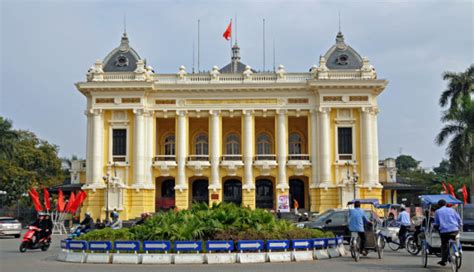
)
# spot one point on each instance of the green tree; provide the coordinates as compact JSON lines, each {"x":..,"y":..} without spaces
{"x":444,"y":168}
{"x":459,"y":89}
{"x":406,"y":163}
{"x":26,"y":161}
{"x":459,"y":129}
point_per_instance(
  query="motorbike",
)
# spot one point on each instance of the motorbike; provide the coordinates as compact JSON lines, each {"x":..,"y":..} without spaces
{"x":28,"y":242}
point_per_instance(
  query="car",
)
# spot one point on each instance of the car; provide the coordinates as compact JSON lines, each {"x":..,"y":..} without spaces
{"x":336,"y":221}
{"x":9,"y":226}
{"x":467,"y":236}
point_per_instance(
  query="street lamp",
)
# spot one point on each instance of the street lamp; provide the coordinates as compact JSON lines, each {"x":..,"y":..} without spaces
{"x":354,"y":178}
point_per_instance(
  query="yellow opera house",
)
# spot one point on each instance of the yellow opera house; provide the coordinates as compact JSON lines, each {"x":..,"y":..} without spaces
{"x":257,"y":139}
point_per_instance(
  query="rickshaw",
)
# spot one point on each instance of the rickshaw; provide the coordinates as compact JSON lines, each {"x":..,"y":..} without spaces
{"x":431,"y":243}
{"x":373,"y":239}
{"x":389,"y":232}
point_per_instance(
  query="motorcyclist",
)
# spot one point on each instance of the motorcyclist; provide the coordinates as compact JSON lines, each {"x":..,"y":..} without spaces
{"x":116,"y":222}
{"x":143,"y":218}
{"x":87,"y":223}
{"x":38,"y":223}
{"x":46,"y":226}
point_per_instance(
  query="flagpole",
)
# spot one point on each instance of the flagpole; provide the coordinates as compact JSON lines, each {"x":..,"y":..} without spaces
{"x":199,"y":46}
{"x":263,"y":44}
{"x":231,"y":38}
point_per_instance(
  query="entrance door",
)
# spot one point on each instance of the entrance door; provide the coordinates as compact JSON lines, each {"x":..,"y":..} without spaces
{"x":264,"y":194}
{"x":165,"y":200}
{"x":233,"y":191}
{"x":297,"y":192}
{"x":201,"y":191}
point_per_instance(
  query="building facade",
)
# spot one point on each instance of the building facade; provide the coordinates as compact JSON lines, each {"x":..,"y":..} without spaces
{"x":258,"y":139}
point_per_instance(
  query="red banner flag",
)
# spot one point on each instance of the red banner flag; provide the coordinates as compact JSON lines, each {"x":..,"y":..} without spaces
{"x":47,"y":201}
{"x":451,"y":190}
{"x":72,"y":198}
{"x":444,"y":187}
{"x":464,"y":193}
{"x":81,"y":196}
{"x":35,"y":198}
{"x":228,"y":31}
{"x":60,"y":204}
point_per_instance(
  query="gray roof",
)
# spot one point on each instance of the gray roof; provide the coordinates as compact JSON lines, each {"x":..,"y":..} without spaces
{"x":342,"y":56}
{"x":122,"y":59}
{"x":235,"y":65}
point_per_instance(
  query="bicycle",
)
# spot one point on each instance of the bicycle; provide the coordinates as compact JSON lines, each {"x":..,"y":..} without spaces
{"x":355,"y":246}
{"x":455,"y":254}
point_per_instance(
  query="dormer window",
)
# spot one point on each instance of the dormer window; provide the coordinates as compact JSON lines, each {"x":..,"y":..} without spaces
{"x":342,"y":59}
{"x":121,"y":61}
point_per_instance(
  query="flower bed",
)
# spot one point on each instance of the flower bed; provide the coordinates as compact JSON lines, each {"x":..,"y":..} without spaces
{"x":219,"y":222}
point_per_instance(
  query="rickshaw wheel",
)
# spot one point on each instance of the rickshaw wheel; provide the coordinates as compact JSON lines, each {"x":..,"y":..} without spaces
{"x":379,"y":247}
{"x":455,"y":260}
{"x":424,"y":254}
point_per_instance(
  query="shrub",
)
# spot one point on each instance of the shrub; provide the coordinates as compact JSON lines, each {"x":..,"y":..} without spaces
{"x":222,"y":221}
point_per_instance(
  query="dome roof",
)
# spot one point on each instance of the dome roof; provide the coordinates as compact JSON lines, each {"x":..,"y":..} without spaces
{"x":342,"y":56}
{"x":122,"y":59}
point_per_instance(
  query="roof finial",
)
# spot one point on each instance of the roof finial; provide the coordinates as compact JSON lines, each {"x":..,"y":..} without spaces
{"x":339,"y":21}
{"x":125,"y":24}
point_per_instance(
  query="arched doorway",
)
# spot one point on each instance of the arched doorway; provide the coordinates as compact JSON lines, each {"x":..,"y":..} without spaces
{"x":200,"y":191}
{"x":297,"y":192}
{"x":233,"y":191}
{"x":264,"y":194}
{"x":165,"y":196}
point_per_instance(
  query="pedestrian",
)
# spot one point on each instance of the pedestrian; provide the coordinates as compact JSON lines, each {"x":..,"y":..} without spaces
{"x":357,"y":221}
{"x":405,"y":223}
{"x":295,"y":206}
{"x":448,"y":222}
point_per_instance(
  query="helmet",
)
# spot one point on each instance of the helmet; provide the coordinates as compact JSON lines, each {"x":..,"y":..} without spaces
{"x":115,"y":215}
{"x":88,"y":214}
{"x":41,"y":214}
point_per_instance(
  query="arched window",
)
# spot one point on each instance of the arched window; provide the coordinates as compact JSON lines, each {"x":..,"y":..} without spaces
{"x":232,"y":144}
{"x":296,"y":144}
{"x":201,"y":142}
{"x":170,"y":145}
{"x":264,"y":144}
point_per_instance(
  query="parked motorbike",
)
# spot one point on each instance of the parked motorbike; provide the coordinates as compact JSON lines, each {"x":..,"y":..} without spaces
{"x":29,"y":243}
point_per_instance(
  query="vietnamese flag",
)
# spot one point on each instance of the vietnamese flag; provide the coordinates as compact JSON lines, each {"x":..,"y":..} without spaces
{"x":80,"y":197}
{"x":228,"y":32}
{"x":35,"y":198}
{"x":464,"y":193}
{"x":72,"y":198}
{"x":60,"y":204}
{"x":444,"y":187}
{"x":47,"y":201}
{"x":451,"y":190}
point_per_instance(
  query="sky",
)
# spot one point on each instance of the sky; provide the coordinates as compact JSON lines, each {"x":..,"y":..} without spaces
{"x":47,"y":46}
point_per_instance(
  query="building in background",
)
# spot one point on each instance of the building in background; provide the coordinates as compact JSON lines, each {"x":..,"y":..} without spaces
{"x":257,"y":139}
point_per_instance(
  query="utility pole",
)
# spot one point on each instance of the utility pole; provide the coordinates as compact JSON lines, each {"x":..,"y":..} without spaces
{"x":472,"y":174}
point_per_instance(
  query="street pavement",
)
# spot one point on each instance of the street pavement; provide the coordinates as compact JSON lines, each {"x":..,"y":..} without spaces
{"x":31,"y":261}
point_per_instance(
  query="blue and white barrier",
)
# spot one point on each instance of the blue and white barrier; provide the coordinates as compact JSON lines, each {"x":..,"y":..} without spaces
{"x":187,"y":252}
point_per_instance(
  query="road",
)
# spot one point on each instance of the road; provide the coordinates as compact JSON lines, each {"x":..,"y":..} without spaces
{"x":12,"y":260}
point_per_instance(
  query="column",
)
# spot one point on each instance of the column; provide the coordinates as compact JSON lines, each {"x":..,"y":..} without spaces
{"x":282,"y":149}
{"x":366,"y":149}
{"x":375,"y":140}
{"x":325,"y":145}
{"x":181,"y":145}
{"x":88,"y":148}
{"x":248,"y":149}
{"x":139,"y":149}
{"x":215,"y":129}
{"x":97,"y":146}
{"x":149,"y":153}
{"x":314,"y":149}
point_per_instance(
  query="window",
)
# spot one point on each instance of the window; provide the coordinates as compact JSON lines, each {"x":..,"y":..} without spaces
{"x":264,"y":144}
{"x":344,"y":143}
{"x":296,"y":144}
{"x":119,"y":142}
{"x":170,"y":145}
{"x":232,"y":144}
{"x":337,"y":219}
{"x":202,"y":144}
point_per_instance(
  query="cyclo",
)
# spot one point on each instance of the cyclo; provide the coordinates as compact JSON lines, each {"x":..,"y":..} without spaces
{"x":431,"y":244}
{"x":373,"y":239}
{"x":389,"y":231}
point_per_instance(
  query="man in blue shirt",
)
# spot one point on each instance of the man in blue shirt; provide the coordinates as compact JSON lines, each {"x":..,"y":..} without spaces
{"x":357,"y":219}
{"x":405,"y":223}
{"x":448,"y":222}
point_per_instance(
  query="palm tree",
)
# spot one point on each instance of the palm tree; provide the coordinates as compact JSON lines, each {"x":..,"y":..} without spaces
{"x":459,"y":126}
{"x":7,"y":138}
{"x":460,"y":88}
